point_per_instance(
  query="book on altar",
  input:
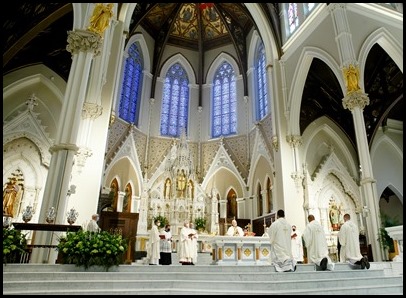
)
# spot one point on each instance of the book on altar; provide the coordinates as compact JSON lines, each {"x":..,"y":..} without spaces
{"x":162,"y":237}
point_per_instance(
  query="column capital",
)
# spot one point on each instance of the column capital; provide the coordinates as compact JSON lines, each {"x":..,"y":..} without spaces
{"x":84,"y":41}
{"x":91,"y":110}
{"x":294,"y":140}
{"x":355,"y":99}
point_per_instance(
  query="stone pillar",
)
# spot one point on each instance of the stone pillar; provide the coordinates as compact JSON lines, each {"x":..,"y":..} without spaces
{"x":355,"y":100}
{"x":83,"y":45}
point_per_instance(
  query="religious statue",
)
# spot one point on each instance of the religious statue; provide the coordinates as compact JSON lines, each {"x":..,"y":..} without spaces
{"x":10,"y":197}
{"x":351,"y":75}
{"x":181,"y":182}
{"x":190,"y":189}
{"x":167,"y":193}
{"x":100,"y":18}
{"x":126,"y":200}
{"x":334,"y":214}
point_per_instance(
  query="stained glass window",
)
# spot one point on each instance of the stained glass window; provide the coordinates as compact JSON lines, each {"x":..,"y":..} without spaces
{"x":261,"y":83}
{"x":224,"y":113}
{"x":132,"y":82}
{"x":293,"y":17}
{"x":175,"y":102}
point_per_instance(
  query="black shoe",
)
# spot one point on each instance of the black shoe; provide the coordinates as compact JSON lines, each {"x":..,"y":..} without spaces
{"x":366,"y":263}
{"x":323,"y":264}
{"x":294,"y":269}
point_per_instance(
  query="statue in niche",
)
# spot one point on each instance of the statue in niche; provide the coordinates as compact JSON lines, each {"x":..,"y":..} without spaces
{"x":181,"y":182}
{"x":334,"y":214}
{"x":126,"y":200}
{"x":190,"y":189}
{"x":167,"y":193}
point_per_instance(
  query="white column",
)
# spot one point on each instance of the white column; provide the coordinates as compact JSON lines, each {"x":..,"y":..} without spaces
{"x":83,"y":45}
{"x":355,"y":100}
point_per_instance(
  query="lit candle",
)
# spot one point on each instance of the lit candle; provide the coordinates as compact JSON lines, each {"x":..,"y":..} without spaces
{"x":264,"y":222}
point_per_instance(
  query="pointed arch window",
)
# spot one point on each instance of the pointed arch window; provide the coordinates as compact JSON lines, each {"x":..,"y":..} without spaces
{"x":132,"y":85}
{"x":293,"y":16}
{"x":175,"y":102}
{"x":261,"y":83}
{"x":224,"y":113}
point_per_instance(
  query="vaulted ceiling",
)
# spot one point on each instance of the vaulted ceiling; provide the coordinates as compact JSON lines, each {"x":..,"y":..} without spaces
{"x":35,"y":33}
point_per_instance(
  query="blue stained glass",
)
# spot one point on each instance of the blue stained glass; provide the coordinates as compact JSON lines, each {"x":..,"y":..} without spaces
{"x":261,"y":85}
{"x":224,"y":117}
{"x":131,"y":88}
{"x":175,"y":102}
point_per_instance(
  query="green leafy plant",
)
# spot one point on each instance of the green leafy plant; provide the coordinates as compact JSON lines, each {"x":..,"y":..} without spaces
{"x":162,"y":219}
{"x":383,"y":236}
{"x":85,"y":248}
{"x":200,"y":223}
{"x":14,"y":244}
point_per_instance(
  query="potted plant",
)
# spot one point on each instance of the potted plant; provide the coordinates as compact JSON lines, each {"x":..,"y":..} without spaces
{"x":383,"y":236}
{"x":14,"y":244}
{"x":85,"y":248}
{"x":200,"y":224}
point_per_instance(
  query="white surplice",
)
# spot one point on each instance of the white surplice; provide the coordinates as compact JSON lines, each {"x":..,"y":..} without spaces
{"x":316,"y":244}
{"x":281,"y":249}
{"x":349,"y":241}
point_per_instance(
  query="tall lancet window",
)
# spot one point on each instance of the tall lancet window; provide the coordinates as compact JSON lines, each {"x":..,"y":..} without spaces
{"x":224,"y":102}
{"x":175,"y":102}
{"x":261,"y":83}
{"x":132,"y":83}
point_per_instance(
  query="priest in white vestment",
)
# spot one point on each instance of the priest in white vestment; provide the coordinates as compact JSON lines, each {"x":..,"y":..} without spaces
{"x":350,"y":250}
{"x":153,"y":251}
{"x":297,"y":245}
{"x":234,"y":230}
{"x":186,"y":251}
{"x":316,"y":244}
{"x":281,"y":249}
{"x":194,"y":243}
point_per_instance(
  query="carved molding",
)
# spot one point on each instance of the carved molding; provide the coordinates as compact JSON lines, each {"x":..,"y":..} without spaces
{"x":91,"y":110}
{"x":84,"y":41}
{"x":355,"y":99}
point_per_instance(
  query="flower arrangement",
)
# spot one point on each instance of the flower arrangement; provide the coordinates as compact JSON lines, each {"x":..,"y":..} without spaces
{"x":14,"y":244}
{"x":200,"y":223}
{"x":162,"y":219}
{"x":85,"y":248}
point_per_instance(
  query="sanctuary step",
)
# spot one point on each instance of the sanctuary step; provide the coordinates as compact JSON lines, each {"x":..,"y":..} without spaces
{"x":59,"y":279}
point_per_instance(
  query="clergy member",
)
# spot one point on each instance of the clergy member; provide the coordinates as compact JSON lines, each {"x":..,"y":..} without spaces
{"x":281,"y":248}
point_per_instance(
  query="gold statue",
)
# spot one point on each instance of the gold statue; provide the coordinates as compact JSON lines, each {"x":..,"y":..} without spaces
{"x":11,"y":197}
{"x":351,"y":76}
{"x":100,"y":19}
